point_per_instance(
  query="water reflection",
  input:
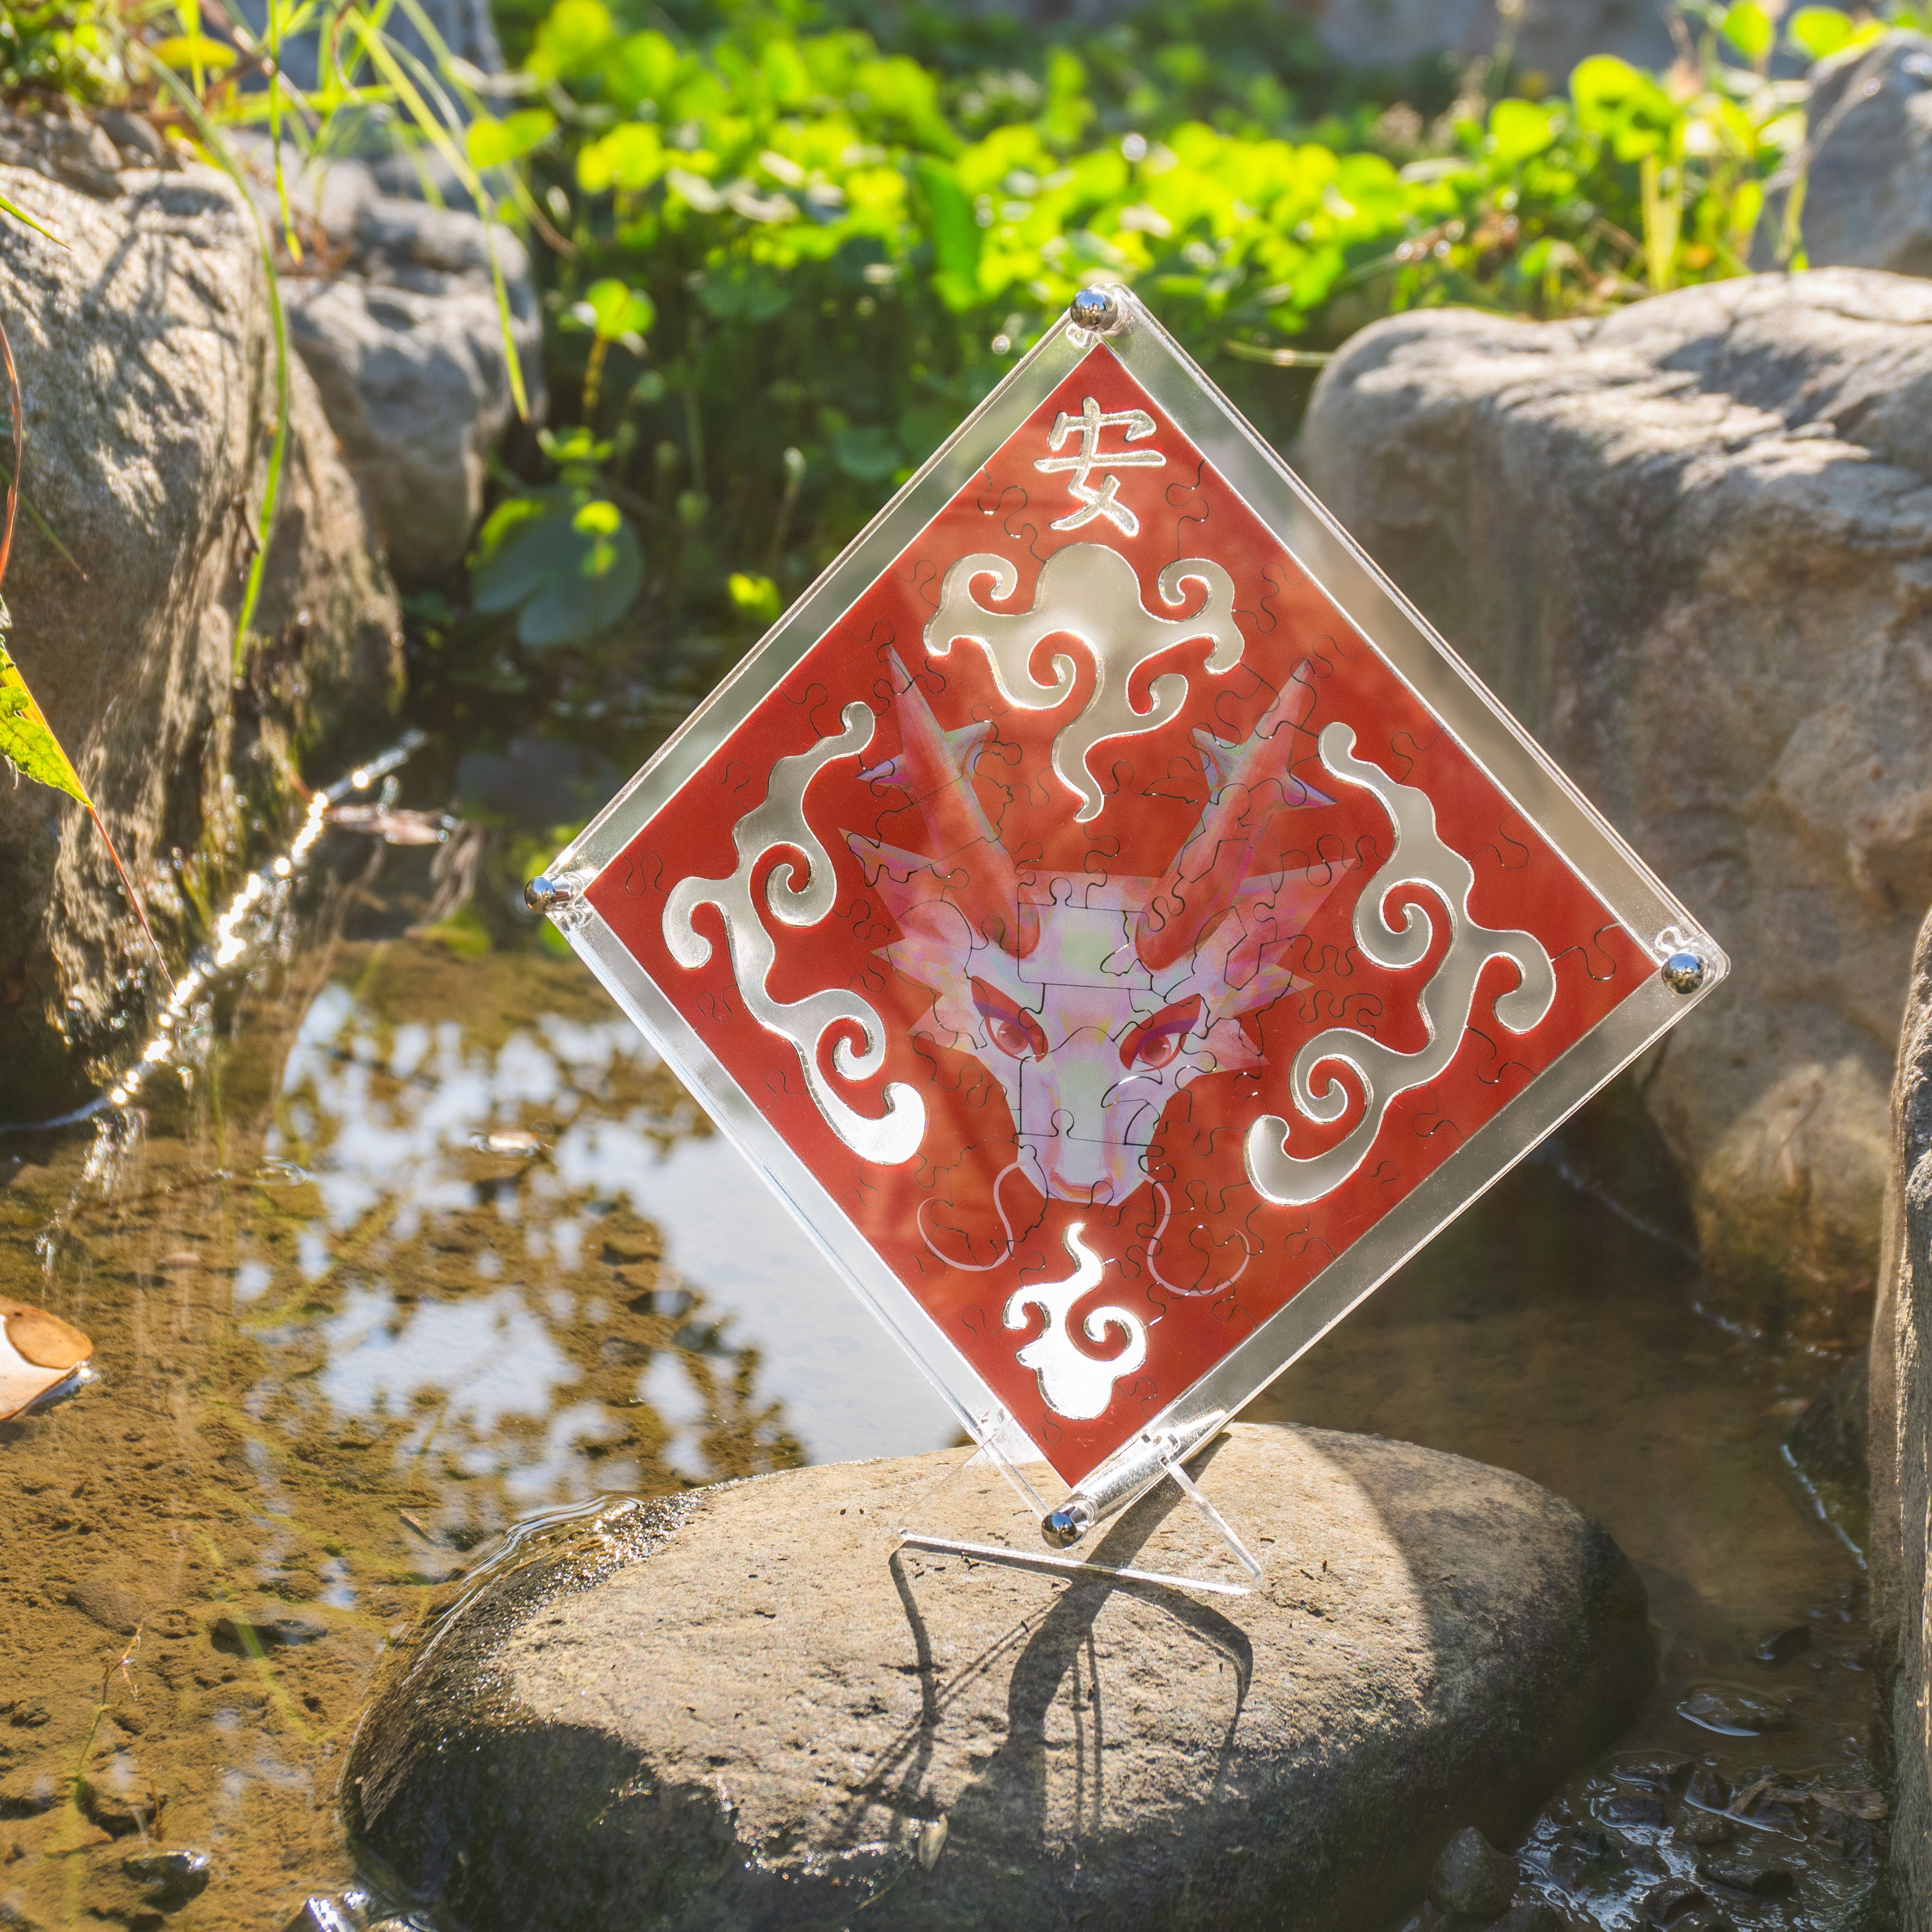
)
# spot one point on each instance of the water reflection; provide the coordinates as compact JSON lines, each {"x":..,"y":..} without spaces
{"x":616,"y":1205}
{"x":489,"y":1360}
{"x":427,"y":1242}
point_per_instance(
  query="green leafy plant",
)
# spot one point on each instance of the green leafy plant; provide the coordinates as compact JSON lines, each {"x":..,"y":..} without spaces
{"x":790,"y":254}
{"x":562,"y":558}
{"x":786,"y":245}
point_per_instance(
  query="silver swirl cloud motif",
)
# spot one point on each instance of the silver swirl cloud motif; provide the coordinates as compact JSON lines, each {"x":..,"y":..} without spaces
{"x":1090,"y":595}
{"x":1420,"y":859}
{"x":779,"y":825}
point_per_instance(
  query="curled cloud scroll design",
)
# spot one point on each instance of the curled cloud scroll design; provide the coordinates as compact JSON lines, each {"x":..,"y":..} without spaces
{"x":1090,"y":595}
{"x":1072,"y":1382}
{"x":779,"y":825}
{"x":1420,"y":858}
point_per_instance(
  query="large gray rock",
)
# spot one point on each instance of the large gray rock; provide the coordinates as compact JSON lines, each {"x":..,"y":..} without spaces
{"x":403,"y":333}
{"x":1868,"y":187}
{"x":1690,"y":546}
{"x":741,"y":1707}
{"x":148,"y":364}
{"x":1901,"y":1469}
{"x":1549,"y":36}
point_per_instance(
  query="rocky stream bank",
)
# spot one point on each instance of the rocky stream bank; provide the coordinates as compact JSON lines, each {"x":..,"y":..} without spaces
{"x":149,"y":369}
{"x":1691,"y":543}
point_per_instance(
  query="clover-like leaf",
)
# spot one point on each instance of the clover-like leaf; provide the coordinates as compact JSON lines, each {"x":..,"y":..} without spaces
{"x":564,"y":561}
{"x":868,"y":453}
{"x":613,"y":310}
{"x":1819,"y":32}
{"x":1750,"y":29}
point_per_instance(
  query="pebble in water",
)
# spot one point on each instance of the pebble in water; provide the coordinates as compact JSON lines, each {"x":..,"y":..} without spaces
{"x":1732,"y":1714}
{"x":169,"y":1879}
{"x":1761,"y":1881}
{"x":1472,"y":1877}
{"x":321,"y":1914}
{"x":38,"y":1351}
{"x":1535,"y":1915}
{"x":267,"y":1630}
{"x":1784,"y":1645}
{"x":1667,"y":1904}
{"x":1709,"y":1828}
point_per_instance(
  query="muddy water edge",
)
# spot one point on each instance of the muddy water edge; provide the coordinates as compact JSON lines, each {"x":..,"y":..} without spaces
{"x":430,"y":1246}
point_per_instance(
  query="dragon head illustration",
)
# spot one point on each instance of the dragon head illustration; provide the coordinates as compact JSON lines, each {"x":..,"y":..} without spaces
{"x":1093,"y":1000}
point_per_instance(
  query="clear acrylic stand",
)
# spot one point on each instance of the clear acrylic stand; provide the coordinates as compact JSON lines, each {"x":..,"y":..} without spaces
{"x":1131,"y":1474}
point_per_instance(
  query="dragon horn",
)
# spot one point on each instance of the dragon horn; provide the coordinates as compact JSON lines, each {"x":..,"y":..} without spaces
{"x":1249,"y":783}
{"x":934,"y":767}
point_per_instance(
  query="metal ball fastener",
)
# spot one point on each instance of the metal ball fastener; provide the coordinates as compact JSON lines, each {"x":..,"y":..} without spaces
{"x":1684,"y":972}
{"x":1097,"y":309}
{"x":1067,"y":1524}
{"x":546,"y":894}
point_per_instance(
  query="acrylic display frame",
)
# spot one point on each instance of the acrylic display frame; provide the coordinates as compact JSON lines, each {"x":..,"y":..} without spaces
{"x":1685,"y":963}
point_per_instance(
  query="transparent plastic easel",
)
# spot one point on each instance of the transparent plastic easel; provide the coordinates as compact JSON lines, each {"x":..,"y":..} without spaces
{"x":1066,"y":1516}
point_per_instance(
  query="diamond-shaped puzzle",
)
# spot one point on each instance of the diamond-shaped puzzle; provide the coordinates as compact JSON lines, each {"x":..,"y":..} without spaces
{"x":1121,"y":930}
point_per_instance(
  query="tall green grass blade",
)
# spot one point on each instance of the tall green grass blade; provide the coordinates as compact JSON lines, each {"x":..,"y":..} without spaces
{"x":9,"y":206}
{"x":219,"y":152}
{"x":293,"y":240}
{"x":40,"y":524}
{"x":384,"y":58}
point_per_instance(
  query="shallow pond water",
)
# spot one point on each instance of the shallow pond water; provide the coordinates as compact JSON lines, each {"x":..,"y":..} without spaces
{"x":430,"y":1244}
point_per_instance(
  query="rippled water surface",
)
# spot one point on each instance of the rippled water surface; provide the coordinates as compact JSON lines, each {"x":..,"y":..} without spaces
{"x":431,"y":1243}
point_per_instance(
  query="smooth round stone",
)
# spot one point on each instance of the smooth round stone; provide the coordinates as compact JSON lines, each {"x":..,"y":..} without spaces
{"x":747,"y":1707}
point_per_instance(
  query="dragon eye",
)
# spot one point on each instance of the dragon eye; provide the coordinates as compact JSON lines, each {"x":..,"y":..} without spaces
{"x":1155,"y":1042}
{"x":1013,"y":1030}
{"x":1009,"y":1038}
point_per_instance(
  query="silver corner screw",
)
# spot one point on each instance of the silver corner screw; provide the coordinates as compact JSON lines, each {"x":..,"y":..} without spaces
{"x":1099,"y":310}
{"x":1069,"y":1523}
{"x":1687,"y":962}
{"x":1684,"y":972}
{"x":559,"y":896}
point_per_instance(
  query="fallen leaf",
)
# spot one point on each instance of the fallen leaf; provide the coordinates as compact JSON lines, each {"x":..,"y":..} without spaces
{"x":28,"y":739}
{"x":38,"y":1351}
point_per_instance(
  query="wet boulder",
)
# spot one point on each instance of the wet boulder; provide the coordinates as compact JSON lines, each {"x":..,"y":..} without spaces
{"x":1901,"y":1482}
{"x":147,"y":358}
{"x":1689,"y":545}
{"x":749,"y":1705}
